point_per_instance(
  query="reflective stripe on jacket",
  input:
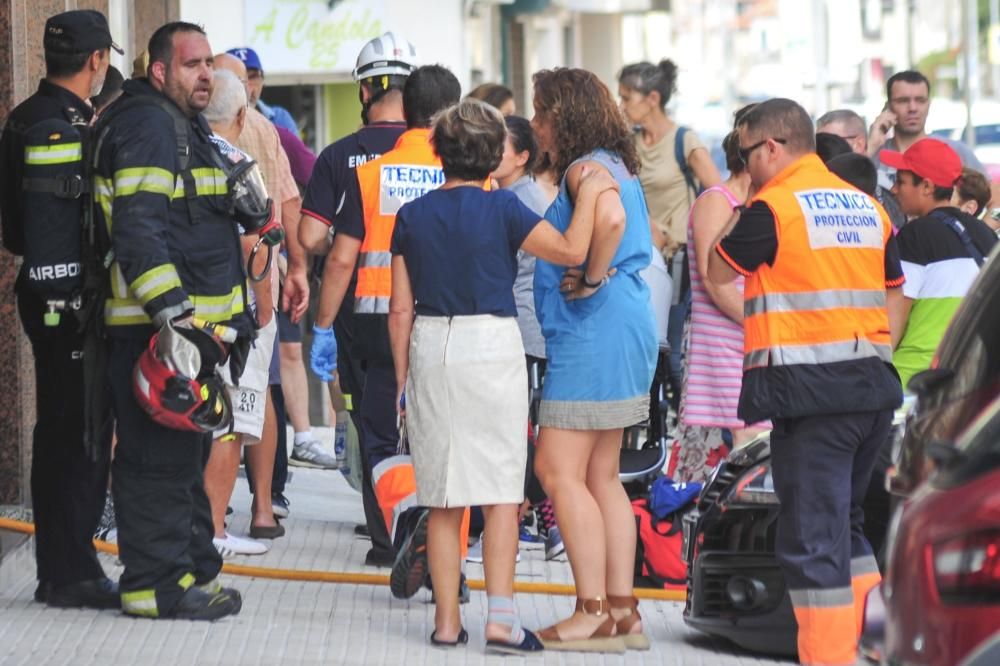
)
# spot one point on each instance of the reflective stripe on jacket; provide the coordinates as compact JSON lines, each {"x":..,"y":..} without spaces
{"x":823,"y":299}
{"x":176,"y":245}
{"x":406,"y":172}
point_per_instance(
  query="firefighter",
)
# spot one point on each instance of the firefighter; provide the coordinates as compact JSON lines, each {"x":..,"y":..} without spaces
{"x":44,"y":199}
{"x":823,"y":281}
{"x":177,"y":281}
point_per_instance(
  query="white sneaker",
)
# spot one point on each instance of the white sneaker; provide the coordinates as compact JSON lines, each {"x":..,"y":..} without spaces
{"x":311,"y":454}
{"x":234,"y":545}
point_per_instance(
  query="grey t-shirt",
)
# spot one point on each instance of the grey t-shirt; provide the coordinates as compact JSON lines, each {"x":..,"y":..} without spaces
{"x":532,"y":196}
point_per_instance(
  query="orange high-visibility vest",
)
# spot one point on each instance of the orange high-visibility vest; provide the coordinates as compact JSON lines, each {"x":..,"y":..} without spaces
{"x":823,"y":300}
{"x":408,"y":171}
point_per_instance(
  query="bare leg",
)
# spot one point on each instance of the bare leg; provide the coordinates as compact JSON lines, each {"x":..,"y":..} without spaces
{"x":294,"y":385}
{"x":261,"y":457}
{"x":445,"y":561}
{"x":619,"y":521}
{"x":220,"y":479}
{"x":499,"y":557}
{"x":561,"y":463}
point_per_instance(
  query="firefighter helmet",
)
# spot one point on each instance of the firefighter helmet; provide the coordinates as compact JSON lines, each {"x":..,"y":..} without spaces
{"x":388,"y":55}
{"x":170,"y":384}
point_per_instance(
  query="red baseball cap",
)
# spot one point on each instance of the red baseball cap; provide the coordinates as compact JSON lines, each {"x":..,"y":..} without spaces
{"x":928,"y":158}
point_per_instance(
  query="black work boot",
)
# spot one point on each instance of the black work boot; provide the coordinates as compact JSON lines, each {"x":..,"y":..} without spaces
{"x":100,"y":593}
{"x":198,"y":605}
{"x":215,"y":587}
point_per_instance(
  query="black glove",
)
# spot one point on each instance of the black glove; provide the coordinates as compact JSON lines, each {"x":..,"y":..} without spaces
{"x":239,"y":352}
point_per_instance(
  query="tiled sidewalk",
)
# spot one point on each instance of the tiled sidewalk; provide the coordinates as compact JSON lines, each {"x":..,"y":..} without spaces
{"x":285,"y":622}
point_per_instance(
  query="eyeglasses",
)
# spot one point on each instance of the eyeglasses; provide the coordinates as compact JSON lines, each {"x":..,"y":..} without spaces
{"x":744,"y":153}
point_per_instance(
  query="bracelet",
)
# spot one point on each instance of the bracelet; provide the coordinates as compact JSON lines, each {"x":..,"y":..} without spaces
{"x":592,"y":285}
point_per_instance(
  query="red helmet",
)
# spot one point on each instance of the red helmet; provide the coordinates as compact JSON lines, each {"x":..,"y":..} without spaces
{"x":164,"y":388}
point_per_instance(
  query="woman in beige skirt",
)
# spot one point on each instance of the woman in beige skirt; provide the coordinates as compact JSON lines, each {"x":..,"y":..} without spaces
{"x":458,"y":354}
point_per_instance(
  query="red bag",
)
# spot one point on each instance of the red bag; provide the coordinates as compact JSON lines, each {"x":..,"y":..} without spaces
{"x":658,"y":555}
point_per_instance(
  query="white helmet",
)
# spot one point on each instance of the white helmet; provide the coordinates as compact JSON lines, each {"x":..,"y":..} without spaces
{"x":388,"y":55}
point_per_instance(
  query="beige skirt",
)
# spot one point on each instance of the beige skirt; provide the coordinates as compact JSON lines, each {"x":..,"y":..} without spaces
{"x":467,"y":410}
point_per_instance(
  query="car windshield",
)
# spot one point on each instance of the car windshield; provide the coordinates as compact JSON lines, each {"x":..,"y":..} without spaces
{"x":983,"y":436}
{"x":971,"y":348}
{"x":980,"y":450}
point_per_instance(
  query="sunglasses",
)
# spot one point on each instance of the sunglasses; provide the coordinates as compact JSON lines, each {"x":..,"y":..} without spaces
{"x":744,"y":153}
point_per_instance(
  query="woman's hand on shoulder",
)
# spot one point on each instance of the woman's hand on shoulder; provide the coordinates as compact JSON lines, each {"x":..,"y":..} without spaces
{"x":590,"y":178}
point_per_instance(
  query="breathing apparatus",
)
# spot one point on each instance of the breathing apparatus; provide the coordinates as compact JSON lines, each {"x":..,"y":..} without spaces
{"x":253,"y":209}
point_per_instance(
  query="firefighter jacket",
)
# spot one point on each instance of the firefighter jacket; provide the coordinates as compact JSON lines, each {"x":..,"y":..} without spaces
{"x":816,"y":328}
{"x":161,"y":192}
{"x":401,"y":175}
{"x":43,"y":189}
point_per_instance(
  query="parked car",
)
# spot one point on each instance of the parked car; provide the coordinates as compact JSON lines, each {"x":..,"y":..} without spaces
{"x":942,"y":589}
{"x":735,"y":588}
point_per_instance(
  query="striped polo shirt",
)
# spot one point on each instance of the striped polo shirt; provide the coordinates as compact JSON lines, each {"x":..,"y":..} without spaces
{"x":939,"y":271}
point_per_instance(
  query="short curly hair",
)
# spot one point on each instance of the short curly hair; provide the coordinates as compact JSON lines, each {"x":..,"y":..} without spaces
{"x":469,"y":138}
{"x":584,"y":117}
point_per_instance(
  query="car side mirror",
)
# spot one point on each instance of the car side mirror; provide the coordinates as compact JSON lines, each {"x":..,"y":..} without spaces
{"x":927,"y":381}
{"x":942,"y":454}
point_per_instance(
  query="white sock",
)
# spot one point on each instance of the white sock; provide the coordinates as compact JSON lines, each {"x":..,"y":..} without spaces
{"x":303,"y":437}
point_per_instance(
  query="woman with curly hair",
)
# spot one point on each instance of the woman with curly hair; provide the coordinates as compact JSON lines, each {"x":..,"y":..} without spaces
{"x":601,"y":345}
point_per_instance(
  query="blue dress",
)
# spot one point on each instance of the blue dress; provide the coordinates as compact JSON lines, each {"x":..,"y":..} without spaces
{"x":602,"y":349}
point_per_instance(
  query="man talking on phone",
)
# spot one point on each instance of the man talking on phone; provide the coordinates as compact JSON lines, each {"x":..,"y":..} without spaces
{"x":908,"y":99}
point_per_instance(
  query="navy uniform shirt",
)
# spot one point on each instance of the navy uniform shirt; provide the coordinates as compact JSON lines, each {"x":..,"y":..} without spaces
{"x":326,"y":198}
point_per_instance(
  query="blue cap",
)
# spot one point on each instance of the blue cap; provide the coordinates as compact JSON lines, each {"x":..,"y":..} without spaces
{"x":248,"y":56}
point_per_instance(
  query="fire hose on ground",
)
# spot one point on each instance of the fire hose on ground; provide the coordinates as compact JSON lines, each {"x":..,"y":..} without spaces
{"x":350,"y":578}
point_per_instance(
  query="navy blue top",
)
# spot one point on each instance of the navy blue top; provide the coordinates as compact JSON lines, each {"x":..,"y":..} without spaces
{"x":460,"y":247}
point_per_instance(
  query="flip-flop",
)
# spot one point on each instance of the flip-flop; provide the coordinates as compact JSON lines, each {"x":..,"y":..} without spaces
{"x":463,"y":638}
{"x":266,"y":531}
{"x":528,"y":644}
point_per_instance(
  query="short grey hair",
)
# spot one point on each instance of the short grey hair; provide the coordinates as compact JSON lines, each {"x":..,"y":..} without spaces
{"x":228,"y":96}
{"x":848,"y":118}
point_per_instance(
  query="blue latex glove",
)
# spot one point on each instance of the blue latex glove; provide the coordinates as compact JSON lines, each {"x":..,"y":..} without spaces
{"x":323,"y":355}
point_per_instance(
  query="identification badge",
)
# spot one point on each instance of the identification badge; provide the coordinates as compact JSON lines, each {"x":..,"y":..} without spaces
{"x":840,"y":219}
{"x":402,"y":183}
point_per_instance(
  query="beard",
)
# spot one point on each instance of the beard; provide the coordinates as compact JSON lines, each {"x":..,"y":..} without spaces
{"x":185,"y":98}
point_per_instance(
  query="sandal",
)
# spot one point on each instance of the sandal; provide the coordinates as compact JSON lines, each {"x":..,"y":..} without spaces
{"x":602,"y":640}
{"x":636,"y":641}
{"x":463,"y":638}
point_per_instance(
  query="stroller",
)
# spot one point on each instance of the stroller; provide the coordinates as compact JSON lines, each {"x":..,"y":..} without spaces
{"x":644,"y":446}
